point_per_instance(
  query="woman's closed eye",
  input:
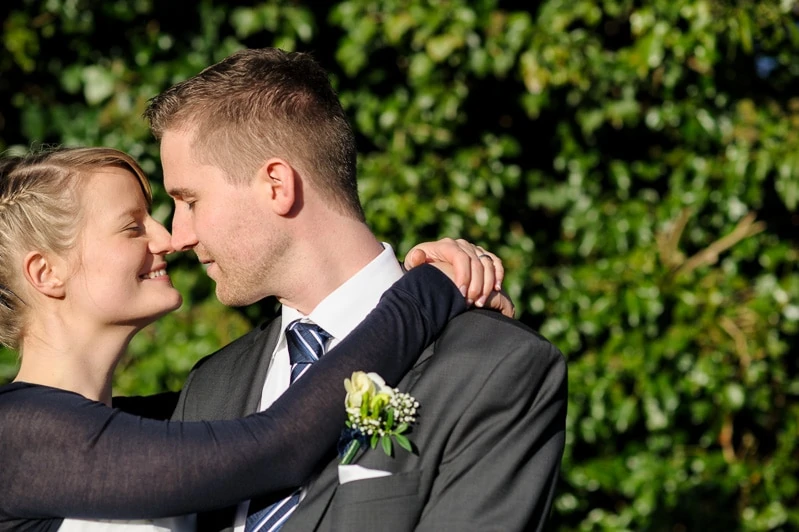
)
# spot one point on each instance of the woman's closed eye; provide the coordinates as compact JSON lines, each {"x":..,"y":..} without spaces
{"x":135,"y":229}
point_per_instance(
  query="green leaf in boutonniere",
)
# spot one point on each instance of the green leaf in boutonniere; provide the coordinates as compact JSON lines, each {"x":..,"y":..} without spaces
{"x":372,"y":411}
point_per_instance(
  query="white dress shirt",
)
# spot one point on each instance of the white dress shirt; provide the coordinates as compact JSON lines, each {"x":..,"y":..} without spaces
{"x":338,"y":314}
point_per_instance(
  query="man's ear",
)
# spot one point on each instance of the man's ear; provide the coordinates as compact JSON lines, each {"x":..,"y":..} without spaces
{"x":44,"y":274}
{"x":277,"y":179}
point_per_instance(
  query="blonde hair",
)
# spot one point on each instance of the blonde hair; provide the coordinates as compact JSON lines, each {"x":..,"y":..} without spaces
{"x":40,"y":210}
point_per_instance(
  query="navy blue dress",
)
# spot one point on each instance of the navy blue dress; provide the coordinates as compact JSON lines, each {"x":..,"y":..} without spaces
{"x":62,"y":455}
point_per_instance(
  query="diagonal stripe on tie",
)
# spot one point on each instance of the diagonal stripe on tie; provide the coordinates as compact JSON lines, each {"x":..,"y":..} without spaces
{"x":306,"y":343}
{"x":272,"y":518}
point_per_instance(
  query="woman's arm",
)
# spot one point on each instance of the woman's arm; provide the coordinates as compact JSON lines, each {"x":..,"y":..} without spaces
{"x":62,"y":455}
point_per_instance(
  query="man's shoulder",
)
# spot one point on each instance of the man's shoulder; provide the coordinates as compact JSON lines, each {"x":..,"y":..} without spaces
{"x":491,"y":329}
{"x":484,"y":358}
{"x":241,"y":346}
{"x":480,"y":339}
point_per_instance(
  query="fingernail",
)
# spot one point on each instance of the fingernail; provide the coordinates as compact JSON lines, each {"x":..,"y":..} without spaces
{"x":463,"y":290}
{"x":480,"y":302}
{"x":498,"y":286}
{"x":469,"y":302}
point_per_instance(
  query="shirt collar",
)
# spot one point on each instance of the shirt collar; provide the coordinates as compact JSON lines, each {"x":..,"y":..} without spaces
{"x":341,"y":311}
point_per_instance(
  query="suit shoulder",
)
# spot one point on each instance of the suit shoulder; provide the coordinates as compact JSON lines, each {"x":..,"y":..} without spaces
{"x":490,"y":320}
{"x":494,"y":336}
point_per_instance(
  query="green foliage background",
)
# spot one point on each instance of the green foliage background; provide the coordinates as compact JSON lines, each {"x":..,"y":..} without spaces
{"x":633,"y":162}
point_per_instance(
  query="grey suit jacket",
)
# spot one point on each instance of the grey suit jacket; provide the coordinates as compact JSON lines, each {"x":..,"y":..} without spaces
{"x":489,"y":436}
{"x":489,"y":440}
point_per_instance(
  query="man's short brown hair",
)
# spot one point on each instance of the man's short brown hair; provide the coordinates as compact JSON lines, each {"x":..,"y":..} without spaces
{"x":262,"y":103}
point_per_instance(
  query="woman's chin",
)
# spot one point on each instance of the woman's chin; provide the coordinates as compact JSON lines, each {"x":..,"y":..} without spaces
{"x":166,"y":308}
{"x":175,"y":304}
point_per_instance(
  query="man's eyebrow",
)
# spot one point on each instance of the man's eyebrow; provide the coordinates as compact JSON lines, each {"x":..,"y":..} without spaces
{"x":180,"y":192}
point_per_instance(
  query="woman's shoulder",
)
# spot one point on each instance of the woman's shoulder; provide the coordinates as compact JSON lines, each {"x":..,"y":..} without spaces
{"x":20,"y":394}
{"x":15,"y":394}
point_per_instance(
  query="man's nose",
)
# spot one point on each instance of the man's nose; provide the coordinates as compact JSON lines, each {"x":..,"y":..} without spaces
{"x":183,"y":237}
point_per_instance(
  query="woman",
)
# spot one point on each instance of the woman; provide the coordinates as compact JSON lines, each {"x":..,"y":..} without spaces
{"x":81,"y":271}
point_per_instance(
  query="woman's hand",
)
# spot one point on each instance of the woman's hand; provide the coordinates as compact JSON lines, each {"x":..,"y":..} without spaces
{"x":476,"y":272}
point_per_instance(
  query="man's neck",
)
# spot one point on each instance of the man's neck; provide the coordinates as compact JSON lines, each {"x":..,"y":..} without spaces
{"x":323,"y":263}
{"x":342,"y":310}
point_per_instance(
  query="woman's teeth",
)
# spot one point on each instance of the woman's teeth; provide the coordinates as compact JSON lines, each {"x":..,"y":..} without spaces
{"x":153,"y":275}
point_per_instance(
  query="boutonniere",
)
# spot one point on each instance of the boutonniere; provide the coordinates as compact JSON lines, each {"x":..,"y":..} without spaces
{"x":376,"y":413}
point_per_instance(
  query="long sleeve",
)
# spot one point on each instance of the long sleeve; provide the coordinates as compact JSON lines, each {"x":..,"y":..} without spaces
{"x":62,"y":455}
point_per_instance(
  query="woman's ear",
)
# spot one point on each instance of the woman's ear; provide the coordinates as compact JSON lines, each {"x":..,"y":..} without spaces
{"x":44,"y":274}
{"x":277,"y":179}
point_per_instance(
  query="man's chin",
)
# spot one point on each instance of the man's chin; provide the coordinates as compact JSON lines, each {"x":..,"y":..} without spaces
{"x":232,"y":299}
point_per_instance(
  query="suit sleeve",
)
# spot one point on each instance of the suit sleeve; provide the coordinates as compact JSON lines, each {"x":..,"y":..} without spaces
{"x":179,"y":412}
{"x":62,"y":455}
{"x":500,"y":469}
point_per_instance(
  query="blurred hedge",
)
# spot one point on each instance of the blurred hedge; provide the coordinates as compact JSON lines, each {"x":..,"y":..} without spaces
{"x":634,"y":163}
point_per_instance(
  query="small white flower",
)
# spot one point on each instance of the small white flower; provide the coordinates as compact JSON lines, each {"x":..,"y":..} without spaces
{"x":377,"y":411}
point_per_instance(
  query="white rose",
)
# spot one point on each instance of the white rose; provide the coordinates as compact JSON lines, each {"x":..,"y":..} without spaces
{"x":358,"y":387}
{"x":381,"y":386}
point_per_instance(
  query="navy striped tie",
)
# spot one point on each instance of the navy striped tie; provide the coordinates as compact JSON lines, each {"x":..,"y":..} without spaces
{"x":306,"y":343}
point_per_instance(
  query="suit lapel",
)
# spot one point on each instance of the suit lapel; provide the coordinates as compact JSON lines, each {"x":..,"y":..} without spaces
{"x":234,"y":386}
{"x":311,"y":511}
{"x":255,"y":368}
{"x":313,"y":507}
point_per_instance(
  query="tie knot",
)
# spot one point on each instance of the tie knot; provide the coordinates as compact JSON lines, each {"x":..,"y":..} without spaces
{"x":306,"y":342}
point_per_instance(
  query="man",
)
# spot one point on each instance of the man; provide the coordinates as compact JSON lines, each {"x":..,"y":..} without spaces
{"x":260,"y":160}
